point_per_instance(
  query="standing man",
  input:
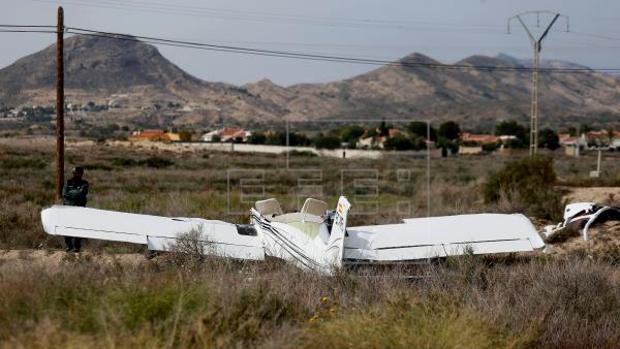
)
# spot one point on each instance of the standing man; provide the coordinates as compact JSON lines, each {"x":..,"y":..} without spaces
{"x":74,"y":194}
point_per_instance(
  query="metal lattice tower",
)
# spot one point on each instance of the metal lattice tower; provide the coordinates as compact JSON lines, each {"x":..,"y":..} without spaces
{"x":537,"y":46}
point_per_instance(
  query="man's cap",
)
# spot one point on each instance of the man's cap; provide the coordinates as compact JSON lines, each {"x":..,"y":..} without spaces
{"x":78,"y":169}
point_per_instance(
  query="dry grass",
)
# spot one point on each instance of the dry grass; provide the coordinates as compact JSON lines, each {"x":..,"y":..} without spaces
{"x":463,"y":303}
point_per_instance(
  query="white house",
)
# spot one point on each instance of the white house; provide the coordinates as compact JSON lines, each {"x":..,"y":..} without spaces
{"x":227,"y":134}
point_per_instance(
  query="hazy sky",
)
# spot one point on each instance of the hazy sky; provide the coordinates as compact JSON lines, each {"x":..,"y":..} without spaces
{"x":447,"y":30}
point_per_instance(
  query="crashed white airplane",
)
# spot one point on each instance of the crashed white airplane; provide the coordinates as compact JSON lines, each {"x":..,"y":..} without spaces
{"x":313,"y":238}
{"x":580,"y":216}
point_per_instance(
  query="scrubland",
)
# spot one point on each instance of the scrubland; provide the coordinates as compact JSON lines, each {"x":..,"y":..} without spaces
{"x":468,"y":302}
{"x":572,"y":301}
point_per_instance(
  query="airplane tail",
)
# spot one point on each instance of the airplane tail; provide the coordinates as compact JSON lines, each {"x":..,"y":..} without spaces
{"x":335,"y":247}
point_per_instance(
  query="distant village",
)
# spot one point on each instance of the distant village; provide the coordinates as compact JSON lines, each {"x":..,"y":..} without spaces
{"x":449,"y":136}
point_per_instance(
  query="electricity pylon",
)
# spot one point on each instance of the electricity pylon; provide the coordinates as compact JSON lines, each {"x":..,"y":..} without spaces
{"x":537,"y":45}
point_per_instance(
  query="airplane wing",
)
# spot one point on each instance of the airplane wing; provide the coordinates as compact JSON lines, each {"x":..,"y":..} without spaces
{"x":422,"y":238}
{"x":158,"y":233}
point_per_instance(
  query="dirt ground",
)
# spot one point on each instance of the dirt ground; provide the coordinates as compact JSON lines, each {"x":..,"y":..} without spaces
{"x":604,"y":239}
{"x":603,"y":195}
{"x":54,"y":260}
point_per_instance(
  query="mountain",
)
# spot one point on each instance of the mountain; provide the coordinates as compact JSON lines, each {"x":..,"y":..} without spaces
{"x":472,"y":97}
{"x":100,"y":69}
{"x":148,"y":90}
{"x":544,"y":63}
{"x":98,"y":64}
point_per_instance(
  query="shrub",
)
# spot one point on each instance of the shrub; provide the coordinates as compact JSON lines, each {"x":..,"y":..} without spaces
{"x":279,"y":138}
{"x":185,"y":136}
{"x":189,"y":250}
{"x":529,"y":180}
{"x":514,"y":144}
{"x":152,"y":161}
{"x":96,"y":166}
{"x":257,"y":138}
{"x":158,"y":162}
{"x":22,"y":162}
{"x":326,"y":142}
{"x":490,"y":147}
{"x":124,"y":162}
{"x":304,"y":153}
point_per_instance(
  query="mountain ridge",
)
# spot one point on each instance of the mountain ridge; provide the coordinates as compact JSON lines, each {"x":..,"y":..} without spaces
{"x":97,"y":68}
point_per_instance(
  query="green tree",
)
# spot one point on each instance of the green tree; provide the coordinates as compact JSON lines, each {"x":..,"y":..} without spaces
{"x":449,"y":130}
{"x":572,"y":131}
{"x":372,"y":132}
{"x":398,"y":142}
{"x":257,"y":138}
{"x":547,"y":138}
{"x":326,"y":142}
{"x":584,"y":128}
{"x":445,"y":145}
{"x":351,"y":133}
{"x":295,"y":139}
{"x":511,"y":128}
{"x":276,"y":138}
{"x":384,"y":129}
{"x":419,"y":129}
{"x":490,"y":147}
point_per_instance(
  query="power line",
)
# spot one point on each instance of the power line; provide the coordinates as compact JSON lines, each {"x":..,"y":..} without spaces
{"x":21,"y":28}
{"x":26,"y":26}
{"x":598,"y":36}
{"x":265,"y":17}
{"x":273,"y":53}
{"x":318,"y":57}
{"x":26,"y":31}
{"x":291,"y":54}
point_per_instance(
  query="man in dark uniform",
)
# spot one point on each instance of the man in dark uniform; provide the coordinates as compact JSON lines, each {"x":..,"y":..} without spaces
{"x":74,"y":194}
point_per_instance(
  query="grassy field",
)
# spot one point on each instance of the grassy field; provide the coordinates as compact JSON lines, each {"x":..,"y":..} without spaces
{"x":470,"y":302}
{"x":462,"y":303}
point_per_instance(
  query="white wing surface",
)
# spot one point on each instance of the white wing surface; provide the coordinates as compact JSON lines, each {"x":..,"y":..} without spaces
{"x":158,"y":233}
{"x":421,"y":238}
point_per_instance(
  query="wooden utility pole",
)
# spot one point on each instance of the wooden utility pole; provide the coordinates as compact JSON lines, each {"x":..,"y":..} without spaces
{"x":60,"y":105}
